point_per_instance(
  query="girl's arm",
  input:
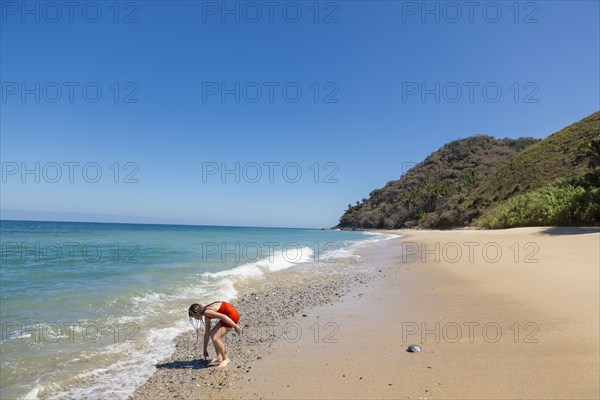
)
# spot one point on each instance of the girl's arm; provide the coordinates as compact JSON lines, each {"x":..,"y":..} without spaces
{"x":206,"y":332}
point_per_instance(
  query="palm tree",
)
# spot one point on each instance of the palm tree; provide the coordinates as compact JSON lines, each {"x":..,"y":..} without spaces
{"x":589,"y":151}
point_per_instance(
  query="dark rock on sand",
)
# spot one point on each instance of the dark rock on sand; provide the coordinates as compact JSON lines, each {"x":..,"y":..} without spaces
{"x":414,"y":348}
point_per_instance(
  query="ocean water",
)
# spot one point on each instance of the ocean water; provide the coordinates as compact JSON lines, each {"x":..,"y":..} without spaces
{"x":87,"y":309}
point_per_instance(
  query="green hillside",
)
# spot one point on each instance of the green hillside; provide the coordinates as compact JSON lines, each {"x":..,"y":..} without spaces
{"x":465,"y":178}
{"x":566,"y":202}
{"x":557,"y":156}
{"x":432,"y":193}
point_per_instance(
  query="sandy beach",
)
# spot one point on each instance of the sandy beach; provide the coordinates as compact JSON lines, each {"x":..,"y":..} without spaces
{"x":498,"y":314}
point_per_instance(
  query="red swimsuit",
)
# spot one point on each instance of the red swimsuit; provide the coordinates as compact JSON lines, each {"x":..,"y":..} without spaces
{"x":230,"y":311}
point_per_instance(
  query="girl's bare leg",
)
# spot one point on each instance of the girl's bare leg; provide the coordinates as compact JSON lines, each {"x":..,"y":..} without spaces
{"x":216,"y":335}
{"x":217,"y":360}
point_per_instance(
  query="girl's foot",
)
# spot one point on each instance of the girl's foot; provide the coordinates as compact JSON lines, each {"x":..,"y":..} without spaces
{"x":216,"y":361}
{"x":223,"y":363}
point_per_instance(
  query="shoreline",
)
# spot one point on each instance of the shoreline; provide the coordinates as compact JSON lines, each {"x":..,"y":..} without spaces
{"x":546,"y":313}
{"x":263,"y":305}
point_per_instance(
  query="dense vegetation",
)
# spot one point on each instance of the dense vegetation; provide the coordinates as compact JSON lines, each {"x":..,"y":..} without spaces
{"x":574,"y":202}
{"x":560,"y":155}
{"x":464,"y":179}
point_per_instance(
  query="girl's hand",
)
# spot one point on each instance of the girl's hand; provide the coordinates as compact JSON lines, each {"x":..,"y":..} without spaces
{"x":205,"y":354}
{"x":237,"y":328}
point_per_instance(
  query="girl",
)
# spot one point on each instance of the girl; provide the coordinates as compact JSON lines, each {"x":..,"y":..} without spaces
{"x":228,"y":318}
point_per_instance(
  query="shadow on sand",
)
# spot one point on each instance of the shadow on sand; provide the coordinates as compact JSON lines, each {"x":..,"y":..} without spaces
{"x":191,"y":364}
{"x":557,"y":230}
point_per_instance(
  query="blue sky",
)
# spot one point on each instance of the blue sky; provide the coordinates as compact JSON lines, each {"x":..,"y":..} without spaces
{"x":353,"y":97}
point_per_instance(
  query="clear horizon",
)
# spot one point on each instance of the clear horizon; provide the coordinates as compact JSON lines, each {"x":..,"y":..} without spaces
{"x":154,"y":223}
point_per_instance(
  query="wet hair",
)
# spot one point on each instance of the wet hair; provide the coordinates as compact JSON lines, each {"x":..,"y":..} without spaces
{"x":196,"y":310}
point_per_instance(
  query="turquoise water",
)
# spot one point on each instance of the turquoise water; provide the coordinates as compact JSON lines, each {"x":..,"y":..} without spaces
{"x":88,"y":308}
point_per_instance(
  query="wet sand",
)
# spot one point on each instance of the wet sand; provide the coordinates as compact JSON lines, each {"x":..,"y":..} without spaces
{"x":498,"y":314}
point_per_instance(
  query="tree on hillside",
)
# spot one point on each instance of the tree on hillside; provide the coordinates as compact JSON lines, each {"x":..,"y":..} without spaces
{"x":589,"y":151}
